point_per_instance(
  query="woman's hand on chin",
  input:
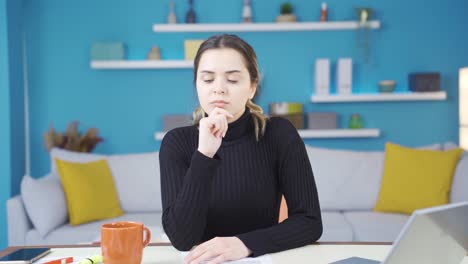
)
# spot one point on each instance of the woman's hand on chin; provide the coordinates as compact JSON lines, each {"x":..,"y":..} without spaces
{"x":211,"y":131}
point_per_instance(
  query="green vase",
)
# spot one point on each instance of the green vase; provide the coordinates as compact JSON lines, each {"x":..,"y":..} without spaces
{"x":355,"y":121}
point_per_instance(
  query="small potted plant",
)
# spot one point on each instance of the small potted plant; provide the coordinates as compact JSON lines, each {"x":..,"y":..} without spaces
{"x":286,"y":15}
{"x":71,"y":139}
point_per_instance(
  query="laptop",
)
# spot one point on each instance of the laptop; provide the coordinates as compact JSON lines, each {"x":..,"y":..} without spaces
{"x":436,"y":235}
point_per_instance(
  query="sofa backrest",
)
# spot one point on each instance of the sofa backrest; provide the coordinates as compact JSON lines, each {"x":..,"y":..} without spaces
{"x":71,"y":156}
{"x":136,"y":177}
{"x":459,"y":191}
{"x":349,"y":179}
{"x":137,"y":181}
{"x":345,"y":179}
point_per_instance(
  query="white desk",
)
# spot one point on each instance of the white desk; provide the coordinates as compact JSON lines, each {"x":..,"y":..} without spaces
{"x":313,"y":254}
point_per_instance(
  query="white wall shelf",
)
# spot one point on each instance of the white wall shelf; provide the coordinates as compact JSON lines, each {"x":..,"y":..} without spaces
{"x":247,"y":27}
{"x":378,"y":97}
{"x":141,"y":64}
{"x":321,"y":133}
{"x":339,"y":133}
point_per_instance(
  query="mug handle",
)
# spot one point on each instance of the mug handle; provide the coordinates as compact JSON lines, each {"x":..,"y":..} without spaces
{"x":147,"y":236}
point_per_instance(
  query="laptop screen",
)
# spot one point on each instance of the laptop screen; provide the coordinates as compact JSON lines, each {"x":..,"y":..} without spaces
{"x":437,"y":235}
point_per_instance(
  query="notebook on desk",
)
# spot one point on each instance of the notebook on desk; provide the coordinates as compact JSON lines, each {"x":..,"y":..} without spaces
{"x":437,"y":235}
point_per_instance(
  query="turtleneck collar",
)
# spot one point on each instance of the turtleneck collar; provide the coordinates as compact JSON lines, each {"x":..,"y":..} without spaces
{"x":240,"y":127}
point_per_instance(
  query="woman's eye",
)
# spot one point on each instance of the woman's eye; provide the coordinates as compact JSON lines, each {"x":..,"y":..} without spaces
{"x":232,"y":81}
{"x":208,"y":81}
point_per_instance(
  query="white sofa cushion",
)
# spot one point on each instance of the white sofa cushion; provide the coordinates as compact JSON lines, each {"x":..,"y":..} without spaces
{"x":450,"y":145}
{"x":346,"y":180}
{"x":136,"y":177}
{"x":71,"y":156}
{"x":335,"y":228}
{"x":375,"y":227}
{"x":137,"y":180}
{"x":459,"y":191}
{"x":87,"y":233}
{"x":45,"y":202}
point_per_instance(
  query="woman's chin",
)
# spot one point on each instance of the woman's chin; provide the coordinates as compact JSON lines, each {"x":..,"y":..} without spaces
{"x":210,"y":109}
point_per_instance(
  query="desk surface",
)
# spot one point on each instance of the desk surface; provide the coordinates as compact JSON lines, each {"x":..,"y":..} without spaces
{"x":318,"y":253}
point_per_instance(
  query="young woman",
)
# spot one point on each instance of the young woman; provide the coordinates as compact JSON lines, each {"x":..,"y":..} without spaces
{"x":222,"y":179}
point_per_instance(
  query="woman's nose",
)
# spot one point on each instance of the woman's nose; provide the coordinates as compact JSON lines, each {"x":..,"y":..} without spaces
{"x":220,"y":88}
{"x":218,"y":91}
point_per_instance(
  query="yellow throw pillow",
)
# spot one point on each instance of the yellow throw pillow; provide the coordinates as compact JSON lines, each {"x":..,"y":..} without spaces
{"x":414,"y":178}
{"x":90,"y":191}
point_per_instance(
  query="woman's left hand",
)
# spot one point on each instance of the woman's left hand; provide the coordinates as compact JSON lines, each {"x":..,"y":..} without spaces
{"x":218,"y":250}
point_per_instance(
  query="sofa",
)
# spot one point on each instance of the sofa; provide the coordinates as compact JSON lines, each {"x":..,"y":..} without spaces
{"x":348,"y":184}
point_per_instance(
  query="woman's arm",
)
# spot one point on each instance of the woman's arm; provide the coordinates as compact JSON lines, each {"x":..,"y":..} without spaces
{"x":185,"y":190}
{"x":304,"y":224}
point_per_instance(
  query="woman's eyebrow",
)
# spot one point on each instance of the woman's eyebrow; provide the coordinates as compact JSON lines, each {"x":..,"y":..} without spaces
{"x":227,"y":72}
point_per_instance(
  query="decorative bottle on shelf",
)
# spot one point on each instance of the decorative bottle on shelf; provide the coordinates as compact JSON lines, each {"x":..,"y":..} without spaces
{"x":247,"y":12}
{"x":190,"y":17}
{"x":171,"y":18}
{"x":324,"y":12}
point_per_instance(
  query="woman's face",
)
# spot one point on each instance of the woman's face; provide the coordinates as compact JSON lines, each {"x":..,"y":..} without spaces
{"x":223,"y":81}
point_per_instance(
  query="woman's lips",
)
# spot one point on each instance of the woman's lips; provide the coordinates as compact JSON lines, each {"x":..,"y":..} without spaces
{"x":219,"y":104}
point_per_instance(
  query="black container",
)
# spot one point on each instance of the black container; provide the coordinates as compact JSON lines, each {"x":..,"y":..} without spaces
{"x":424,"y":82}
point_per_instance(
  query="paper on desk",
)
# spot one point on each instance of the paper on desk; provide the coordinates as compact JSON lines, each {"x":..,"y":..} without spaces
{"x":265,"y":259}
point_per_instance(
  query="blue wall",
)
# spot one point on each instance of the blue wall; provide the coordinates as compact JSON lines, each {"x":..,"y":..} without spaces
{"x":127,"y":105}
{"x":11,"y":106}
{"x":15,"y":35}
{"x":5,"y":164}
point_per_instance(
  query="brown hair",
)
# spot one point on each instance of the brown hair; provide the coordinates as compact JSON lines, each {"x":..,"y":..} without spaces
{"x":250,"y":60}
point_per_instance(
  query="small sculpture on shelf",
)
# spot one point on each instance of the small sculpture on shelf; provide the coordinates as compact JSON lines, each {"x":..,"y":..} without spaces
{"x":72,"y":140}
{"x":154,"y":54}
{"x":190,"y":17}
{"x":286,"y":13}
{"x":171,"y":18}
{"x":247,"y":12}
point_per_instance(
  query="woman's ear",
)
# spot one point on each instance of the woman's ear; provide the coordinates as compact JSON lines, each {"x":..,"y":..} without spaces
{"x":253,"y":90}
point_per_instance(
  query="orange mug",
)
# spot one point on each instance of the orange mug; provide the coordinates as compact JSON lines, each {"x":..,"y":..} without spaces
{"x":122,"y":242}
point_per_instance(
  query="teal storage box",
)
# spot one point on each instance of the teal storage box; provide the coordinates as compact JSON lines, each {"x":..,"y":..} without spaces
{"x":108,"y":51}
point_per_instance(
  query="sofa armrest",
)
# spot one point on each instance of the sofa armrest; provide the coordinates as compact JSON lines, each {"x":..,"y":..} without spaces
{"x":18,"y":221}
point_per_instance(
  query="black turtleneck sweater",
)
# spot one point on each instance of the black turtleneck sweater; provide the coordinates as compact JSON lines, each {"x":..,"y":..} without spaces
{"x":238,"y":191}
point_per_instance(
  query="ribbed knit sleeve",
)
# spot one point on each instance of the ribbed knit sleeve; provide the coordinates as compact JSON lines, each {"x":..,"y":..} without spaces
{"x":304,"y":224}
{"x":185,"y":190}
